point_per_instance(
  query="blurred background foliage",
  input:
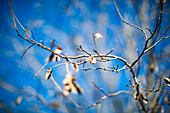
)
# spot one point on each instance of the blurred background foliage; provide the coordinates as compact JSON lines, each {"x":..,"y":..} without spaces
{"x":71,"y":23}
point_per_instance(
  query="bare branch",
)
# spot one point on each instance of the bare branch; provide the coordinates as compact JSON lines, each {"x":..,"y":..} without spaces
{"x":129,"y":23}
{"x":159,"y":21}
{"x":100,"y":68}
{"x":163,"y":37}
{"x":81,"y":49}
{"x":5,"y":107}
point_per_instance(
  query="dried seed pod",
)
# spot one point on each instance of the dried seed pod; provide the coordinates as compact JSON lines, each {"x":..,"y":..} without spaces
{"x":19,"y":100}
{"x":91,"y":60}
{"x":70,"y":85}
{"x":49,"y":73}
{"x":53,"y":43}
{"x":98,"y":35}
{"x":54,"y":104}
{"x":76,"y":68}
{"x":66,"y":82}
{"x":167,"y":80}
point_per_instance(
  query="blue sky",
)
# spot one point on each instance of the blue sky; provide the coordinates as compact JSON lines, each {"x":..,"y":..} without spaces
{"x":71,"y":23}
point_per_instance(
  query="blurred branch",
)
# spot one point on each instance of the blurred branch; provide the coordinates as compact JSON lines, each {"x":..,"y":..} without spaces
{"x":99,"y":88}
{"x":5,"y":107}
{"x":152,"y":90}
{"x":105,"y":97}
{"x":40,"y":69}
{"x":156,"y":101}
{"x":94,"y":42}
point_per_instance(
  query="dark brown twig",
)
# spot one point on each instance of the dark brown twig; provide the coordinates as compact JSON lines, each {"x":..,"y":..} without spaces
{"x":81,"y":49}
{"x":109,"y":52}
{"x":26,"y":51}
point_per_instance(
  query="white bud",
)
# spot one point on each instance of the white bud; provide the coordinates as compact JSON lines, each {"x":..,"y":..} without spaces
{"x":98,"y":35}
{"x":58,"y":49}
{"x":91,"y":60}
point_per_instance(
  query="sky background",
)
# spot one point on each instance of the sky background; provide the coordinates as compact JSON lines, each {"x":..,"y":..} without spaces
{"x":71,"y":23}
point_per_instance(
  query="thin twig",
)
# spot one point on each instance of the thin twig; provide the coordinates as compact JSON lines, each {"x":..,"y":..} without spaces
{"x":138,"y":68}
{"x":149,"y":30}
{"x":81,"y":49}
{"x":163,"y":37}
{"x":99,"y":88}
{"x":40,"y":69}
{"x":32,"y":34}
{"x":151,"y":90}
{"x":94,"y":42}
{"x":100,"y":68}
{"x":58,"y":64}
{"x":109,"y":52}
{"x":56,"y":84}
{"x":98,"y":54}
{"x":129,"y":23}
{"x":105,"y":97}
{"x":26,"y":51}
